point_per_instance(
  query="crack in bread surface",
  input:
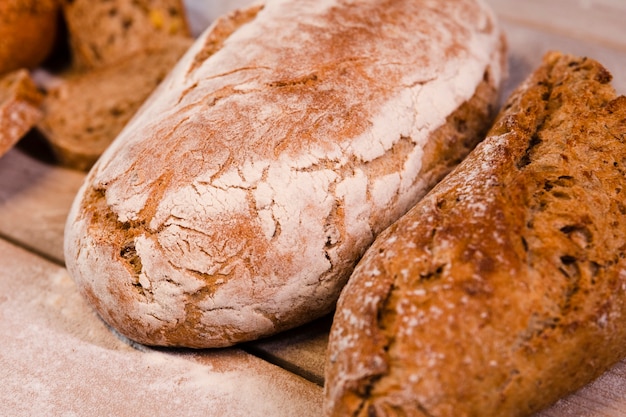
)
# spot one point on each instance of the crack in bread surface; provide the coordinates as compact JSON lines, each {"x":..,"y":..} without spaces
{"x":125,"y":232}
{"x":242,"y":165}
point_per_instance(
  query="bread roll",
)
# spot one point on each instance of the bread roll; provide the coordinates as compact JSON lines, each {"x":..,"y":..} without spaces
{"x":504,"y":289}
{"x":237,"y":201}
{"x":28,"y":29}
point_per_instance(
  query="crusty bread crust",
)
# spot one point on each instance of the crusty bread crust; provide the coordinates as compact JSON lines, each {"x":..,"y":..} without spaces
{"x":504,"y":289}
{"x":237,"y":201}
{"x":19,"y":107}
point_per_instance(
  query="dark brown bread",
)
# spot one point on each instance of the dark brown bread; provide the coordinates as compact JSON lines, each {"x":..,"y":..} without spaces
{"x":19,"y":107}
{"x":504,"y":289}
{"x":27,"y":32}
{"x":103,"y":32}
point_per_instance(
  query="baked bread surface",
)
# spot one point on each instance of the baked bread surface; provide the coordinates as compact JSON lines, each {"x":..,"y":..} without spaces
{"x":236,"y":202}
{"x":19,"y":107}
{"x":504,"y":289}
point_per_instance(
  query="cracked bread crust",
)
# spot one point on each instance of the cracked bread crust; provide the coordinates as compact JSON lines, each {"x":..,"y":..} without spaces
{"x":504,"y":289}
{"x":236,"y":202}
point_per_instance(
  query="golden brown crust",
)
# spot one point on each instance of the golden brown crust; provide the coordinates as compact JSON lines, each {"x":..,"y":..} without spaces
{"x":504,"y":289}
{"x":19,"y":107}
{"x":28,"y":29}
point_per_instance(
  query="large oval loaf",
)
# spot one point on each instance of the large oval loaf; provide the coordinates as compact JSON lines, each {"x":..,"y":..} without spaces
{"x":504,"y":289}
{"x":237,"y":201}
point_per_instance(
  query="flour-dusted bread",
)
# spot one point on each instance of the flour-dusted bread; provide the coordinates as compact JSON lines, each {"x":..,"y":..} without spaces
{"x":504,"y":289}
{"x":19,"y":107}
{"x":103,"y":32}
{"x":28,"y":29}
{"x":237,"y":201}
{"x":85,"y":111}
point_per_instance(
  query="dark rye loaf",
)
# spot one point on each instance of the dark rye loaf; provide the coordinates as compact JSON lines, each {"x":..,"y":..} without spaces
{"x":504,"y":289}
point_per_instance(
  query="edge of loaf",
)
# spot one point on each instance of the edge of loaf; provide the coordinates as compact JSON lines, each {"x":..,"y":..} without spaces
{"x":236,"y":202}
{"x":19,"y":107}
{"x":504,"y":289}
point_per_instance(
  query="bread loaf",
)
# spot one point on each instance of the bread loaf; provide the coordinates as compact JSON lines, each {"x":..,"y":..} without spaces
{"x":28,"y":29}
{"x":236,"y":202}
{"x":504,"y":289}
{"x":121,"y":51}
{"x":19,"y":107}
{"x":103,"y":32}
{"x":85,"y":111}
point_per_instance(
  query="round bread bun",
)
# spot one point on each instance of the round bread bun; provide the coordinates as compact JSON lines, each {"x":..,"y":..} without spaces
{"x":27,"y":32}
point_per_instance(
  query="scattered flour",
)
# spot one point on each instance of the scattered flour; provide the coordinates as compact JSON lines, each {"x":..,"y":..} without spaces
{"x":57,"y":358}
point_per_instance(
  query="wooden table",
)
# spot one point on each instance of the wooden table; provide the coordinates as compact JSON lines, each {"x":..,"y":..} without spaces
{"x":58,"y":358}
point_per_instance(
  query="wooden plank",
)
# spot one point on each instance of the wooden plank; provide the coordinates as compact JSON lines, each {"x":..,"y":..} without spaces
{"x":301,"y":350}
{"x":35,"y":198}
{"x":58,"y":358}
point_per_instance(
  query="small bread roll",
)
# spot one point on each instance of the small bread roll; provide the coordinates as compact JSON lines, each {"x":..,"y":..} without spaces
{"x":504,"y":289}
{"x":28,"y":30}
